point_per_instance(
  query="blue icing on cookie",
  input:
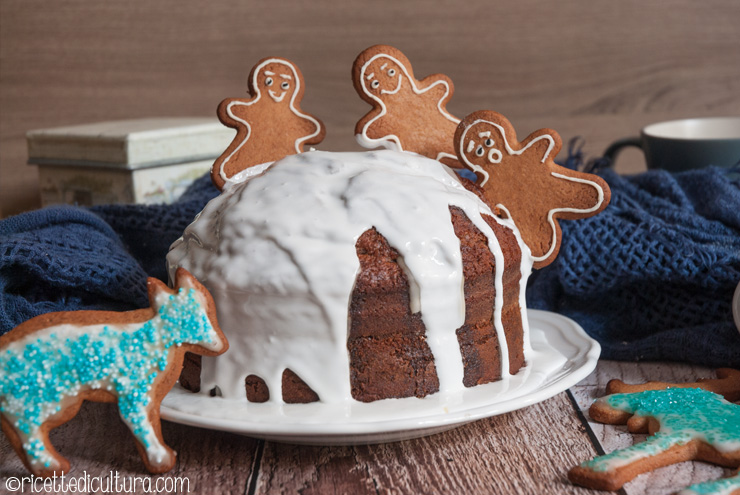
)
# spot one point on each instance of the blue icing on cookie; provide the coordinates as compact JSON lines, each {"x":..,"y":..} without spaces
{"x":718,"y":487}
{"x":684,"y":414}
{"x":40,"y":374}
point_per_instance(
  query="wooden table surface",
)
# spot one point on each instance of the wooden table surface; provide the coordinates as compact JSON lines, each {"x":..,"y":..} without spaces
{"x":528,"y":451}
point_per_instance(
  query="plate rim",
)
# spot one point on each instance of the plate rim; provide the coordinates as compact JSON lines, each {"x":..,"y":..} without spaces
{"x":588,"y":352}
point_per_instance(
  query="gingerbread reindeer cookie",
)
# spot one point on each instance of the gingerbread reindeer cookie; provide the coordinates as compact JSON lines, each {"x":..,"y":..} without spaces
{"x":521,"y":180}
{"x":685,"y":421}
{"x":407,"y":114}
{"x":269,"y":125}
{"x":52,"y":363}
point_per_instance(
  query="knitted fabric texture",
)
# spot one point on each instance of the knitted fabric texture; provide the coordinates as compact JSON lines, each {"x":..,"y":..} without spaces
{"x":64,"y":258}
{"x":651,"y":277}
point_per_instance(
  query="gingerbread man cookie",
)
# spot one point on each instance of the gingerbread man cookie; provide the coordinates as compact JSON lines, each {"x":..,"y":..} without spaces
{"x":685,"y":421}
{"x":269,"y":125}
{"x":521,"y":181}
{"x":727,"y":384}
{"x":407,"y":114}
{"x":52,"y":363}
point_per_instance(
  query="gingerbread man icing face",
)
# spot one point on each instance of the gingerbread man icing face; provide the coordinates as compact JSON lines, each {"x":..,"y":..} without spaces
{"x":278,"y":80}
{"x":486,"y":145}
{"x":407,"y":114}
{"x":383,"y":75}
{"x":522,"y":181}
{"x":269,"y":126}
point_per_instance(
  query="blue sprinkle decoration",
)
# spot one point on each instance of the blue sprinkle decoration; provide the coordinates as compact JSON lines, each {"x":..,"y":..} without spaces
{"x":684,"y":414}
{"x":40,"y":373}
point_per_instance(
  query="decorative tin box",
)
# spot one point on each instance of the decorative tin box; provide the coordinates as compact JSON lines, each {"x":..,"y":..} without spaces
{"x":127,"y":161}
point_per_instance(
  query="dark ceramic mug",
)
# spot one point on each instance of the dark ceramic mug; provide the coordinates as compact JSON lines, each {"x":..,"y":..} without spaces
{"x":685,"y":144}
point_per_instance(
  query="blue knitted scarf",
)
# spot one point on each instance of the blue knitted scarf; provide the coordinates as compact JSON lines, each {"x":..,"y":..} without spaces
{"x":650,"y":278}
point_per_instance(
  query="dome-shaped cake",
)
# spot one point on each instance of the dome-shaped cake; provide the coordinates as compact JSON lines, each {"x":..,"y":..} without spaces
{"x":365,"y":276}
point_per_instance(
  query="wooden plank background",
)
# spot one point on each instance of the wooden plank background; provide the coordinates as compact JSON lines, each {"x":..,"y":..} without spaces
{"x":596,"y":69}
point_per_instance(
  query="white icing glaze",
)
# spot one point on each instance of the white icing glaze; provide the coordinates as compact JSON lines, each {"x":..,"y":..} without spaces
{"x":546,"y":365}
{"x":278,"y":254}
{"x":277,"y":98}
{"x":391,"y":141}
{"x":247,"y":174}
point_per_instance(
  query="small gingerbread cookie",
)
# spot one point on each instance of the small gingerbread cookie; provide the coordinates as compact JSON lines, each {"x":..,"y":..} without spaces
{"x":407,"y":114}
{"x":727,"y":384}
{"x":684,"y":424}
{"x":269,"y":125}
{"x":52,"y":363}
{"x":521,"y":180}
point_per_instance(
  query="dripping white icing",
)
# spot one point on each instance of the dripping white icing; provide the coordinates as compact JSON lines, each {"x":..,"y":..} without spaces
{"x":278,"y":254}
{"x":247,"y":173}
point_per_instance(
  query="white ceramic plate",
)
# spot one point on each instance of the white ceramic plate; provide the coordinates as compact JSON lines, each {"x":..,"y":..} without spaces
{"x":562,"y":356}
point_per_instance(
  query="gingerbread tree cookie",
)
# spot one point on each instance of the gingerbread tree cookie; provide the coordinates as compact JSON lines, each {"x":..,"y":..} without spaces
{"x":685,"y":422}
{"x":270,"y":124}
{"x":407,"y":114}
{"x":521,"y":180}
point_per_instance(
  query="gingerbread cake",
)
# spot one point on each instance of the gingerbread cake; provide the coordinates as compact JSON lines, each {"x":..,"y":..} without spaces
{"x":356,"y":276}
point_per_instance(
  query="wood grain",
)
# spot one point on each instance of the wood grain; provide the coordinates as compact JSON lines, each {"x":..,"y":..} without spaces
{"x":591,"y":69}
{"x":662,"y":481}
{"x":526,"y":452}
{"x":97,"y":443}
{"x":513,"y":453}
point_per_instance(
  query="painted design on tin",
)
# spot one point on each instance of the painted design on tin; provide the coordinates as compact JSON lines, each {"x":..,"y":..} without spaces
{"x":407,"y":114}
{"x":269,"y":125}
{"x":523,"y":181}
{"x":53,"y":362}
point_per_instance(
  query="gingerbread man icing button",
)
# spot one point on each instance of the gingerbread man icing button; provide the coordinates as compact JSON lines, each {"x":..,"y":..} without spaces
{"x":407,"y":114}
{"x":521,"y":180}
{"x":269,"y":125}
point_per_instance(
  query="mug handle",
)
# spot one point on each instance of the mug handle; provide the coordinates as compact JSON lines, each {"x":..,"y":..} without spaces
{"x":613,"y":150}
